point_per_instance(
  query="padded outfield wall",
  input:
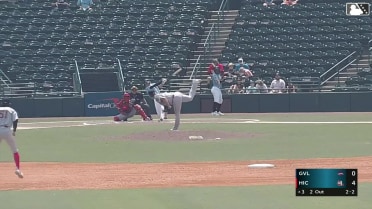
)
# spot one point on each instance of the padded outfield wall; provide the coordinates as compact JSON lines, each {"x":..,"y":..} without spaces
{"x":100,"y":104}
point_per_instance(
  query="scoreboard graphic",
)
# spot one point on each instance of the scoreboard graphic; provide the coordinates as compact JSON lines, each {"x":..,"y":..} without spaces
{"x":326,"y":182}
{"x":357,"y":9}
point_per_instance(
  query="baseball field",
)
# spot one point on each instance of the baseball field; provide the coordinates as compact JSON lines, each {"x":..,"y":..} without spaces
{"x":94,"y":163}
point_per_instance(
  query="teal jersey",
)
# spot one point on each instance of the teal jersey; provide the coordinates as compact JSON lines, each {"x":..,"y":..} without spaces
{"x":152,"y":90}
{"x":239,"y":65}
{"x":216,"y":81}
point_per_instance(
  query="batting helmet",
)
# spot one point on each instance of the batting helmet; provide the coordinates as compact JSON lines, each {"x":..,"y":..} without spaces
{"x":126,"y":97}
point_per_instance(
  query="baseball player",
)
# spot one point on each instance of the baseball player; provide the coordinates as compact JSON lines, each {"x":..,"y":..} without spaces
{"x":127,"y":109}
{"x":9,"y":120}
{"x":140,"y":100}
{"x":176,"y":99}
{"x":216,"y":92}
{"x":152,"y":89}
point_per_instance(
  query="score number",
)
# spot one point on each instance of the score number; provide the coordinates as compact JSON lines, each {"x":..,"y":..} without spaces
{"x":343,"y":182}
{"x":353,"y":173}
{"x":350,"y":192}
{"x":352,"y":189}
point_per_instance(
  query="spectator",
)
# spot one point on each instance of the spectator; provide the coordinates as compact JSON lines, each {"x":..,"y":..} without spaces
{"x":245,"y":72}
{"x":85,"y":4}
{"x":289,"y":2}
{"x":229,"y":76}
{"x":277,"y":85}
{"x":291,"y":88}
{"x":230,"y":70}
{"x":268,"y":3}
{"x":252,"y":88}
{"x":237,"y":88}
{"x":216,"y":64}
{"x":244,"y":80}
{"x":261,"y":87}
{"x":240,"y":64}
{"x":60,"y":4}
{"x":137,"y":98}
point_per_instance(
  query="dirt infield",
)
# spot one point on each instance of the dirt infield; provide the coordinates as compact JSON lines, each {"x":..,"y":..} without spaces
{"x":65,"y":176}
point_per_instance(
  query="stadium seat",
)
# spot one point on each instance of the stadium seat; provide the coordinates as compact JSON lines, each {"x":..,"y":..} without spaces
{"x":318,"y":32}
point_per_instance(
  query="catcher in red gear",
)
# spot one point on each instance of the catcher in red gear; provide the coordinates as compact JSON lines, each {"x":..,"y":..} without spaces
{"x":127,"y":109}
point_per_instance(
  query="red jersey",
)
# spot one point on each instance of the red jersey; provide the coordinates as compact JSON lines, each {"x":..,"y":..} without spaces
{"x":211,"y":68}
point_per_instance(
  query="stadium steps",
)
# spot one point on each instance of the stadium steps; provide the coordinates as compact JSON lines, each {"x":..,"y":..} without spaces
{"x":200,"y":59}
{"x":351,"y":71}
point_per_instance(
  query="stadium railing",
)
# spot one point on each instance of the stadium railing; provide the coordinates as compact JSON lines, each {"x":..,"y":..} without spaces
{"x":121,"y":77}
{"x":370,"y":53}
{"x":77,"y":79}
{"x":211,"y":37}
{"x":31,"y":90}
{"x":338,"y":67}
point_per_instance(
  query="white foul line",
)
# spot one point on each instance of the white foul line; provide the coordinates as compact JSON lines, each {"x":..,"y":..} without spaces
{"x":313,"y":122}
{"x":247,"y":121}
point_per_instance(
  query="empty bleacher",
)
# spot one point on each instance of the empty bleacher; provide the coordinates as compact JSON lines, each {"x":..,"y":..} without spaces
{"x":40,"y":45}
{"x":304,"y":40}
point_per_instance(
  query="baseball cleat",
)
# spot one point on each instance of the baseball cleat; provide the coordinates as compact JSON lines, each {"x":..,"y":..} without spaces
{"x":19,"y":173}
{"x":214,"y":113}
{"x":220,"y":113}
{"x":161,"y":119}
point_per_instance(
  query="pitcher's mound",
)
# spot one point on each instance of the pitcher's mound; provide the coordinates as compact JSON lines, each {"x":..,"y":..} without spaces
{"x":184,"y":135}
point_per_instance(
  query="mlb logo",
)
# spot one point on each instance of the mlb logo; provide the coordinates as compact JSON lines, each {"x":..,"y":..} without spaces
{"x":357,"y":9}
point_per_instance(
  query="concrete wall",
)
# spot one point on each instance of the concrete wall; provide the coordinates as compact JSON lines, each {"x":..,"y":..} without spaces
{"x":100,"y":104}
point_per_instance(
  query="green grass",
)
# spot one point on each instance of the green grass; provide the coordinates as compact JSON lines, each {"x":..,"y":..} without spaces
{"x":258,"y":197}
{"x":272,"y":141}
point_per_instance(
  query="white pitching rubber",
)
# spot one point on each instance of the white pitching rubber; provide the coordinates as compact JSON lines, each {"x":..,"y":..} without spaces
{"x":261,"y":166}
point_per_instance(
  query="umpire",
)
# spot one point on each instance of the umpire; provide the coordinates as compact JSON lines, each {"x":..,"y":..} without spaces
{"x":139,"y":99}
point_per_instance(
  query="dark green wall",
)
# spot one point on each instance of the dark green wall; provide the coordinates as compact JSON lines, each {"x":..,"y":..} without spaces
{"x":246,"y":103}
{"x":49,"y":107}
{"x":296,"y":102}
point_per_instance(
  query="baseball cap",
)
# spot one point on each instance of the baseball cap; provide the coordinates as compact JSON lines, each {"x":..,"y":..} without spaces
{"x":240,"y":60}
{"x":134,"y":87}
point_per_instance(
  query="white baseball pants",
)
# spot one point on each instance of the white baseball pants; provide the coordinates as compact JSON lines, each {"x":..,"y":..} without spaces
{"x":159,"y":109}
{"x":125,"y":116}
{"x":177,"y":98}
{"x":217,"y":95}
{"x":6,"y":134}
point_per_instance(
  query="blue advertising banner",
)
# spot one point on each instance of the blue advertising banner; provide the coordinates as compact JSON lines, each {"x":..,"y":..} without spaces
{"x":101,"y":103}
